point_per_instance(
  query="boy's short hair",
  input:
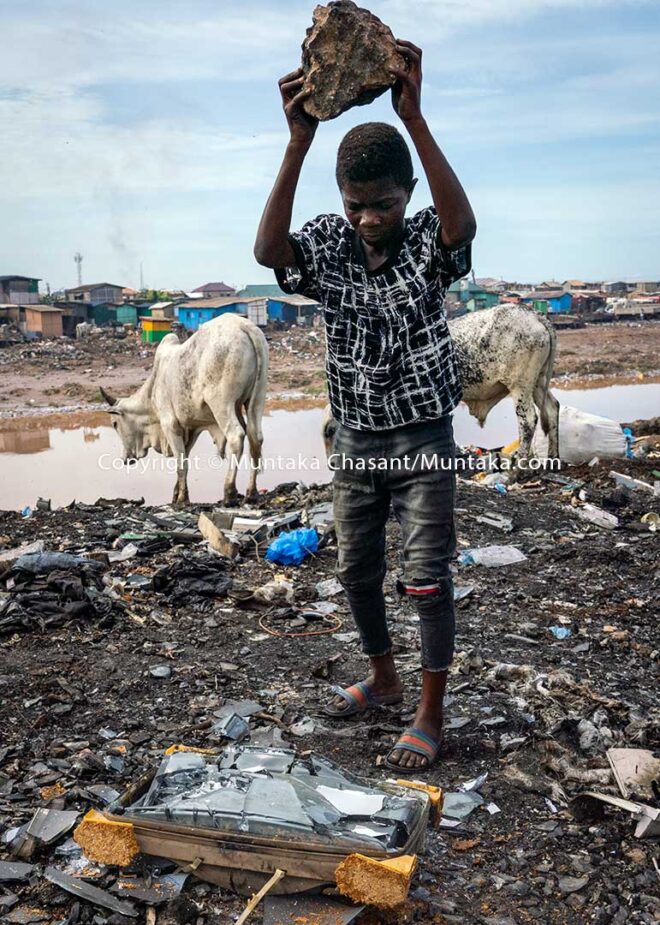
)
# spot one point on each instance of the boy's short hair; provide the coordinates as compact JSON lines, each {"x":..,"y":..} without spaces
{"x":374,"y":151}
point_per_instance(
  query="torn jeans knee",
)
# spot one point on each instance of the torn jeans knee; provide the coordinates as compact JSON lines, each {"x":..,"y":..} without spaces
{"x":433,"y":599}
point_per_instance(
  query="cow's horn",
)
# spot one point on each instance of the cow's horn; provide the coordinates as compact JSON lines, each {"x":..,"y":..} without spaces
{"x":111,"y":400}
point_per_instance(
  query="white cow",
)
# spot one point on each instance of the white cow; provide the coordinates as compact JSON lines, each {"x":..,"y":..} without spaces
{"x":505,"y":350}
{"x":203,"y":384}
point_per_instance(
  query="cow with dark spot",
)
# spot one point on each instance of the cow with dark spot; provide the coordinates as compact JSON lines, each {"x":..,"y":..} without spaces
{"x":215,"y":381}
{"x":505,"y":350}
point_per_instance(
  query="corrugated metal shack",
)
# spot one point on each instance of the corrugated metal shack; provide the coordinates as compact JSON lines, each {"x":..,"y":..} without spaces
{"x":45,"y":319}
{"x":195,"y":313}
{"x":110,"y":313}
{"x":292,"y":309}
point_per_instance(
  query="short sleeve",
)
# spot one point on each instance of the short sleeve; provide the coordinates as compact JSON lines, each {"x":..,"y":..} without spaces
{"x":449,"y":265}
{"x":314,"y":246}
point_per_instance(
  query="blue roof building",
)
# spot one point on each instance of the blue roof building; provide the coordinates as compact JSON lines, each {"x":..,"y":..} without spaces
{"x":292,"y":309}
{"x":550,"y":302}
{"x":193,"y":314}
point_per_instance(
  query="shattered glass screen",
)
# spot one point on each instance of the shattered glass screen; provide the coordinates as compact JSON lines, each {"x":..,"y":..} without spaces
{"x":271,"y":793}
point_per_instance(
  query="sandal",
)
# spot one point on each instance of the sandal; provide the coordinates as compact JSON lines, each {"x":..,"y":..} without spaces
{"x":359,"y":698}
{"x":414,"y":740}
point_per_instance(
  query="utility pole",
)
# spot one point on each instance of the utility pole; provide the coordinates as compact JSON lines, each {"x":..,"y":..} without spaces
{"x":141,"y":278}
{"x":79,"y":259}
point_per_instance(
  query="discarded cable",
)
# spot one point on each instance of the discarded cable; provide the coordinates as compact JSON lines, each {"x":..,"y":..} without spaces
{"x":336,"y":623}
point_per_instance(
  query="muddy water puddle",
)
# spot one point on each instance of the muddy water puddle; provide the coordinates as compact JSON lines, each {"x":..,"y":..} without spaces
{"x":77,"y":456}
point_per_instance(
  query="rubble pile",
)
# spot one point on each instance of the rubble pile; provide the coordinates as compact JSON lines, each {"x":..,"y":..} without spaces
{"x":550,"y":699}
{"x":61,"y":352}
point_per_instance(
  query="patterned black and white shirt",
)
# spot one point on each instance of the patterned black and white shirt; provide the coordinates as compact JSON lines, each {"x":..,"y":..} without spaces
{"x":390,"y":359}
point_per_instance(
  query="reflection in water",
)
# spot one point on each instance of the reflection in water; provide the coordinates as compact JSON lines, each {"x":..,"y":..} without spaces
{"x":85,"y":469}
{"x":29,"y":441}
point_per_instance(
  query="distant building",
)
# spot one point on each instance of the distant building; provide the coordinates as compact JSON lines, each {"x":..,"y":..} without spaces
{"x":73,"y":313}
{"x":261,"y":291}
{"x":215,"y":290}
{"x":19,"y":290}
{"x":615,"y":287}
{"x":549,"y":301}
{"x":109,"y":313}
{"x":550,"y":285}
{"x":96,"y":294}
{"x":573,"y":285}
{"x":647,"y":287}
{"x":162,"y":310}
{"x":44,"y":319}
{"x":471,"y":295}
{"x":490,"y":283}
{"x":195,"y":313}
{"x":292,"y":309}
{"x":586,"y":302}
{"x":154,"y":329}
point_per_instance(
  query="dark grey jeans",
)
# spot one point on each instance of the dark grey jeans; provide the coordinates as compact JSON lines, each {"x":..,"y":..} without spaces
{"x":411,"y":468}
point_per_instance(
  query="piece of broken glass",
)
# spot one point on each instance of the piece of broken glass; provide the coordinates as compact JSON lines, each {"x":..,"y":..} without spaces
{"x":353,"y":802}
{"x":232,"y":727}
{"x":460,"y":805}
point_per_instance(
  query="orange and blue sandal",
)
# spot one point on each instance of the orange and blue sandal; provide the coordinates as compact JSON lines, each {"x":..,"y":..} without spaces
{"x":414,"y":740}
{"x":359,"y":698}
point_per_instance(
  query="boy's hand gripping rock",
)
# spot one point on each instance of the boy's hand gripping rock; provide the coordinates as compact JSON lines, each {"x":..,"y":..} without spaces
{"x":302,"y":126}
{"x":407,"y":91}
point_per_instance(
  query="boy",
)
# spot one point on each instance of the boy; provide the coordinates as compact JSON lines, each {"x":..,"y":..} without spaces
{"x":392,"y":378}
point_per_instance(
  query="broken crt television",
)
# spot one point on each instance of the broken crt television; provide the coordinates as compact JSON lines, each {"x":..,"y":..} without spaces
{"x":270,"y":793}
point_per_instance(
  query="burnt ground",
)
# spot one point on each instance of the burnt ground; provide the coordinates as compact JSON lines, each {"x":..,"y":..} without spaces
{"x":77,"y":694}
{"x":64,"y":373}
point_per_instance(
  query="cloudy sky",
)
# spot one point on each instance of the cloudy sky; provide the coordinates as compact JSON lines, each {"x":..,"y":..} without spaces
{"x":151,"y":132}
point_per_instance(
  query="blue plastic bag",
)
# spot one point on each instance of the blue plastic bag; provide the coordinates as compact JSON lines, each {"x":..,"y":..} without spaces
{"x":560,"y":632}
{"x":290,"y":548}
{"x":628,"y":434}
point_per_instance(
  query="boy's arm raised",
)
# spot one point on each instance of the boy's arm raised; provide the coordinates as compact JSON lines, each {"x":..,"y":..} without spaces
{"x":272,"y":247}
{"x":456,"y":216}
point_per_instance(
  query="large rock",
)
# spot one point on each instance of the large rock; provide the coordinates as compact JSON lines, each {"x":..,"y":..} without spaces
{"x":347,"y":56}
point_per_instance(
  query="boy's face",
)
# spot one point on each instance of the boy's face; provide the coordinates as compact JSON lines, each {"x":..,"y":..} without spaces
{"x":376,"y":209}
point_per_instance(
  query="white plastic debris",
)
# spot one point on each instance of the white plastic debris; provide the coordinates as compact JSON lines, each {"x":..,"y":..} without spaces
{"x":492,"y":556}
{"x":475,"y":784}
{"x":581,"y":437}
{"x":598,"y":516}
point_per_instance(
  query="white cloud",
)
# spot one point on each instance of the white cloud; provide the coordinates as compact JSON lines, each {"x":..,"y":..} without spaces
{"x":118,"y":41}
{"x":450,"y":15}
{"x":60,"y":147}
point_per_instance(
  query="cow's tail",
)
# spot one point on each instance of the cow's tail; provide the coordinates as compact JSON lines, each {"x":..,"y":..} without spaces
{"x":546,"y":400}
{"x":255,"y":404}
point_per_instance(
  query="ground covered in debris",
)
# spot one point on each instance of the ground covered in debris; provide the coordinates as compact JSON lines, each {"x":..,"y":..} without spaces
{"x":105,"y":664}
{"x":64,"y":373}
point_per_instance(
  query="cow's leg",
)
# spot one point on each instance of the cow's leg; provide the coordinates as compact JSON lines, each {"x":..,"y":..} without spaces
{"x":255,"y":441}
{"x":179,"y":450}
{"x":229,"y":436}
{"x":235,"y":440}
{"x":254,"y":411}
{"x":549,"y":409}
{"x":527,"y":418}
{"x":255,"y":464}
